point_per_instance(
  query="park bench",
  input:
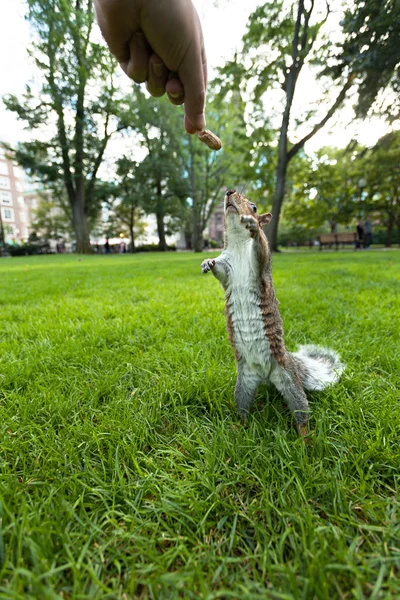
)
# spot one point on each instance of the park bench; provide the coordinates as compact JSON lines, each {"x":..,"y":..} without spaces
{"x":337,"y":238}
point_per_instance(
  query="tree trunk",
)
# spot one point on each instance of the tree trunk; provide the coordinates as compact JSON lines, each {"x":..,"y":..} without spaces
{"x":160,"y":213}
{"x":188,"y":235}
{"x":79,"y":222}
{"x":389,"y":231}
{"x":272,"y":228}
{"x":133,"y":249}
{"x":162,"y":244}
{"x":198,"y":242}
{"x":196,"y":234}
{"x":131,"y":226}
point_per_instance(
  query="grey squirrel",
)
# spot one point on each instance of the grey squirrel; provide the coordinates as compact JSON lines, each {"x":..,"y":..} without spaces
{"x":254,"y":321}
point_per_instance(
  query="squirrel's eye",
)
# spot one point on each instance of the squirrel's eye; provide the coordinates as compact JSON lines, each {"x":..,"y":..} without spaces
{"x":254,"y":207}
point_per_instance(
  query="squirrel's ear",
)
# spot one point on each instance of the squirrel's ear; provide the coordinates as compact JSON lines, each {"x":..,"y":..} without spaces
{"x":264,"y":219}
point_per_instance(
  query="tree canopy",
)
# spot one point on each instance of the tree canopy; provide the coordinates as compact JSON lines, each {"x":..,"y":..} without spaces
{"x":74,"y":111}
{"x":371,"y":50}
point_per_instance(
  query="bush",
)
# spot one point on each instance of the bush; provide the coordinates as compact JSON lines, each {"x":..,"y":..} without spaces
{"x":379,"y":236}
{"x":296,"y":235}
{"x":30,"y":249}
{"x":153,"y":248}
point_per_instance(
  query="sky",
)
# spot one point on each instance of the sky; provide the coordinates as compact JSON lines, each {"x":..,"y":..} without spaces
{"x":223,"y":21}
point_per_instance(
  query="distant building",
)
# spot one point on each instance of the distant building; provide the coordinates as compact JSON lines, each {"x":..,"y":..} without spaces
{"x":17,"y":209}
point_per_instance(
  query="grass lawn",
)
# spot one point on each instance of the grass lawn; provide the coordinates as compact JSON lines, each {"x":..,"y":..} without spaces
{"x":124,"y":470}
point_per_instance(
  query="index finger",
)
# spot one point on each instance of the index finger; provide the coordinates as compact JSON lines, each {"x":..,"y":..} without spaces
{"x":193,"y":75}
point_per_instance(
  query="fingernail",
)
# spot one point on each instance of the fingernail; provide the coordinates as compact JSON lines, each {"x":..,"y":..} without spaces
{"x":176,"y":96}
{"x":159,"y":69}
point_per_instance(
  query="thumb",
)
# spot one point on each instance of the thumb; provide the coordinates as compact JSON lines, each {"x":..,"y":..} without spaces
{"x":193,"y":75}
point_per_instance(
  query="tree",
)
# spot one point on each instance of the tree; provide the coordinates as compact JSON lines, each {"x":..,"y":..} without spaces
{"x":126,"y":198}
{"x":161,"y":174}
{"x":209,"y":171}
{"x":281,"y":37}
{"x":75,"y":111}
{"x":337,"y":186}
{"x":3,"y":231}
{"x":380,"y":168}
{"x":52,"y":219}
{"x":323,"y":189}
{"x":371,"y":49}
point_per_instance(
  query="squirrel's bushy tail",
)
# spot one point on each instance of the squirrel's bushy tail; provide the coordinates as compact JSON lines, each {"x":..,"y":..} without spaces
{"x":318,"y":367}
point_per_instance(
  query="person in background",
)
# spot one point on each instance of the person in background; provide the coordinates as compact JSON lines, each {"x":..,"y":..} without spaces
{"x":160,"y":42}
{"x":368,"y":232}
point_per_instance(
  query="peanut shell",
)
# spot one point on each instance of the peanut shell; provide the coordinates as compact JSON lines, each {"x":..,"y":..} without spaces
{"x":210,"y":139}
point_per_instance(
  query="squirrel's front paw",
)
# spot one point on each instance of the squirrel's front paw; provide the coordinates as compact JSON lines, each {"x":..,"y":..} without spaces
{"x":250,"y":223}
{"x":207,"y":265}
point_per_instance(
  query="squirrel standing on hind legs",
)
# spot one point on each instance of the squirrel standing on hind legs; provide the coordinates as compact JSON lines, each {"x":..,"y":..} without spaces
{"x":254,"y":321}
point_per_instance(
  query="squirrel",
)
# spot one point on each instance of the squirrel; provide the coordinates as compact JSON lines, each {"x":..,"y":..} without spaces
{"x":254,"y":321}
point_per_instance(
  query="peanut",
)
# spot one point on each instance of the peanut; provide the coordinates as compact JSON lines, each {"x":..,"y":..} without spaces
{"x":210,"y":139}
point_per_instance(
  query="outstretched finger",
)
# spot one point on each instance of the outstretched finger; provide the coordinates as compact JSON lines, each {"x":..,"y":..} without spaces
{"x":194,"y":79}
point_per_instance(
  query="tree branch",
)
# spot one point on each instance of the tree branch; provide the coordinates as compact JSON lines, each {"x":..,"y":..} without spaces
{"x":98,"y":161}
{"x":295,"y":43}
{"x":304,"y":37}
{"x":294,"y":150}
{"x":314,"y":37}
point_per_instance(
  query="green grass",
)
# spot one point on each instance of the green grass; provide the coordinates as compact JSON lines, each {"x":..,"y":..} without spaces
{"x":124,"y":470}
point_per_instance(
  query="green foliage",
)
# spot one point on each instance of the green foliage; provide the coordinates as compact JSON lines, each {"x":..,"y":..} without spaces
{"x":52,"y":220}
{"x":249,"y":151}
{"x":281,"y":38}
{"x":210,"y":172}
{"x":179,"y":179}
{"x":339,"y":186}
{"x":281,"y":35}
{"x":125,"y":471}
{"x":380,"y":167}
{"x":268,"y":42}
{"x":124,"y":200}
{"x":74,"y":110}
{"x":371,"y":49}
{"x":296,"y":233}
{"x":158,"y":183}
{"x":324,"y":189}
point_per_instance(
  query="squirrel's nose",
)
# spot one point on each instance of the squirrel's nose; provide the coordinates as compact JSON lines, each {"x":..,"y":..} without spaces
{"x":229,"y":192}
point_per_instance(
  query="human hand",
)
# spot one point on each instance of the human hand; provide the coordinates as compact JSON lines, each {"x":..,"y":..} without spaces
{"x":161,"y":42}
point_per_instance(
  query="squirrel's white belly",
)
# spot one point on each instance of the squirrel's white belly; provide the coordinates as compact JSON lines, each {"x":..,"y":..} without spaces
{"x":251,"y":341}
{"x":249,"y":334}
